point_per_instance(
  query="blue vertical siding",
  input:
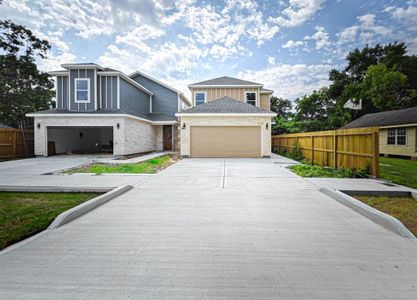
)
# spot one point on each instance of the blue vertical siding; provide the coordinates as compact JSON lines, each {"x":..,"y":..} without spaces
{"x":82,"y":73}
{"x":108,"y":92}
{"x":62,"y":92}
{"x":164,"y":100}
{"x":133,"y":100}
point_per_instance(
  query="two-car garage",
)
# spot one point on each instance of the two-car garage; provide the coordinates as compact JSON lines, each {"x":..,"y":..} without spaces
{"x":79,"y":139}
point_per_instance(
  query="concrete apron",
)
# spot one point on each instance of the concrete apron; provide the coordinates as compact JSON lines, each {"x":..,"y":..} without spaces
{"x":219,"y":228}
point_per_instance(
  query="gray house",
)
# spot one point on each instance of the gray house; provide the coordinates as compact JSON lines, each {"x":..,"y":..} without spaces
{"x":103,"y":110}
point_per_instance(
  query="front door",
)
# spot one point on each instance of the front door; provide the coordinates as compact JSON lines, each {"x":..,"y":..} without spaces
{"x":167,"y":129}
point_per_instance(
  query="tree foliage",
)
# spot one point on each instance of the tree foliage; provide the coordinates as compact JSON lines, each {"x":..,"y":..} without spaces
{"x":23,"y":88}
{"x":384,"y":77}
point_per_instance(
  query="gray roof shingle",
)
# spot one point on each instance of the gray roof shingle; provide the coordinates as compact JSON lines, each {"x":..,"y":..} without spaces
{"x":226,"y":105}
{"x":225,"y":80}
{"x":386,"y":118}
{"x":4,"y":126}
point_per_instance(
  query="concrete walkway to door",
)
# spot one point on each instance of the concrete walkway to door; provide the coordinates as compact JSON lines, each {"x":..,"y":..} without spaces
{"x":215,"y":228}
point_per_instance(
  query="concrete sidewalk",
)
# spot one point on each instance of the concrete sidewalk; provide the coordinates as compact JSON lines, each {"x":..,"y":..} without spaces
{"x":216,"y":228}
{"x":41,"y":171}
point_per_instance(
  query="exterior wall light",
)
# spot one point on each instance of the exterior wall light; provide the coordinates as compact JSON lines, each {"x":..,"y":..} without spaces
{"x":39,"y":125}
{"x":183,"y":126}
{"x":118,"y":125}
{"x":267,"y":125}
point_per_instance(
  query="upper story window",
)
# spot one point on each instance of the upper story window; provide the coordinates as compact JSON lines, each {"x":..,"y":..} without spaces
{"x":200,"y":98}
{"x":82,"y":90}
{"x":397,"y":136}
{"x":250,"y":97}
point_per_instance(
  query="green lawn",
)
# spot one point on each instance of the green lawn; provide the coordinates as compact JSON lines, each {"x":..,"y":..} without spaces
{"x":402,"y":208}
{"x":318,"y":171}
{"x":25,"y":214}
{"x":150,"y":166}
{"x":398,"y":170}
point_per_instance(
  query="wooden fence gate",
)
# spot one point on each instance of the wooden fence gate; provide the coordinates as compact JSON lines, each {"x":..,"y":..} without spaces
{"x":354,"y":149}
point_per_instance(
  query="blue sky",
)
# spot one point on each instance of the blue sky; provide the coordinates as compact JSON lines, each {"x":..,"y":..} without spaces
{"x":287,"y":45}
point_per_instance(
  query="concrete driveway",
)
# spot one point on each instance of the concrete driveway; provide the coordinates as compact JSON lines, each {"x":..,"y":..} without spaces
{"x":215,"y":228}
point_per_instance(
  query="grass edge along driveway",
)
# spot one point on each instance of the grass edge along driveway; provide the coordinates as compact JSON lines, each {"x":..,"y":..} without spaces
{"x":402,"y":208}
{"x":23,"y":214}
{"x":399,"y":170}
{"x":150,"y":166}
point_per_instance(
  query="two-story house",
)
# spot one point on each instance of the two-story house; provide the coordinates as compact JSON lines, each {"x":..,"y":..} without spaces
{"x":229,"y":118}
{"x":103,"y":110}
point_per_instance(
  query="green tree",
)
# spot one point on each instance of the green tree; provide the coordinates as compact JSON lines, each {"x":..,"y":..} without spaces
{"x":284,"y":121}
{"x":23,"y":88}
{"x":386,"y":89}
{"x":312,"y":111}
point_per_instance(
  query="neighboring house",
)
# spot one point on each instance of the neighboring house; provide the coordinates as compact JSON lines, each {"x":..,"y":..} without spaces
{"x":397,"y":130}
{"x":230,"y":118}
{"x":5,"y":126}
{"x":103,"y":110}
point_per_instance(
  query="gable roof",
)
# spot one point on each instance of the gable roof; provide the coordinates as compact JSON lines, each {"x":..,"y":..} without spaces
{"x":182,"y":96}
{"x":226,"y":105}
{"x":386,"y":118}
{"x":225,"y":81}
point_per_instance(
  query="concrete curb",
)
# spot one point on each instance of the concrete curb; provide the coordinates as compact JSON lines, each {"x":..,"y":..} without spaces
{"x":54,"y":189}
{"x":371,"y":213}
{"x":85,"y":207}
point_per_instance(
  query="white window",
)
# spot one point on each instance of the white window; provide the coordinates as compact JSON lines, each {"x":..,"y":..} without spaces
{"x":397,"y":136}
{"x":82,"y":90}
{"x":200,"y":98}
{"x":251,"y":98}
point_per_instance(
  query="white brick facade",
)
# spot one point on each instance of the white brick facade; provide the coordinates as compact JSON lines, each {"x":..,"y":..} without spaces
{"x":132,"y":136}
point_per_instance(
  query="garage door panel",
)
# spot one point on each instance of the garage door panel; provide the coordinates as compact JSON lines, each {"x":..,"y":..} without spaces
{"x":225,"y":141}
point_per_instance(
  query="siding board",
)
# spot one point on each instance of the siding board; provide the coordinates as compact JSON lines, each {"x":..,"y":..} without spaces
{"x":164,"y":100}
{"x":133,"y":100}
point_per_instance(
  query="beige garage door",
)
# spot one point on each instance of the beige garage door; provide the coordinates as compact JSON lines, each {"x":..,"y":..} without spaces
{"x":225,"y":141}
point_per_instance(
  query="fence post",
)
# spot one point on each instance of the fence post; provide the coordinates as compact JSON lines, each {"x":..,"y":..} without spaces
{"x":312,"y":149}
{"x":14,"y":142}
{"x":335,"y":149}
{"x":375,"y":153}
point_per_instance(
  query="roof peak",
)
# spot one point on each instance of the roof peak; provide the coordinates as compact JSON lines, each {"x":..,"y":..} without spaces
{"x":226,"y":81}
{"x":226,"y":105}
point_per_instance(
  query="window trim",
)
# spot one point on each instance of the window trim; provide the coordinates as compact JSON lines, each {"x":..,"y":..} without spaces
{"x":405,"y":136}
{"x":256,"y":97}
{"x":396,"y":129}
{"x":76,"y":100}
{"x":195,"y":97}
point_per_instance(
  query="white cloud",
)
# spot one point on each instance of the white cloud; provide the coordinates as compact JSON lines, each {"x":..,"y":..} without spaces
{"x":298,"y":12}
{"x":290,"y":81}
{"x":405,"y":15}
{"x":321,"y":36}
{"x":366,"y":31}
{"x":293,"y":44}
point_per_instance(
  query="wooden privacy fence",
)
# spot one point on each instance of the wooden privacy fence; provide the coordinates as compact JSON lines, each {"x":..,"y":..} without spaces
{"x":15,"y":143}
{"x":354,"y":149}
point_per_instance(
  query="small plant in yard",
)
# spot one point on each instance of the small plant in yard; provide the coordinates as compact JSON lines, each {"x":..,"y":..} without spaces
{"x":319,"y":171}
{"x":295,"y":154}
{"x":150,"y":166}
